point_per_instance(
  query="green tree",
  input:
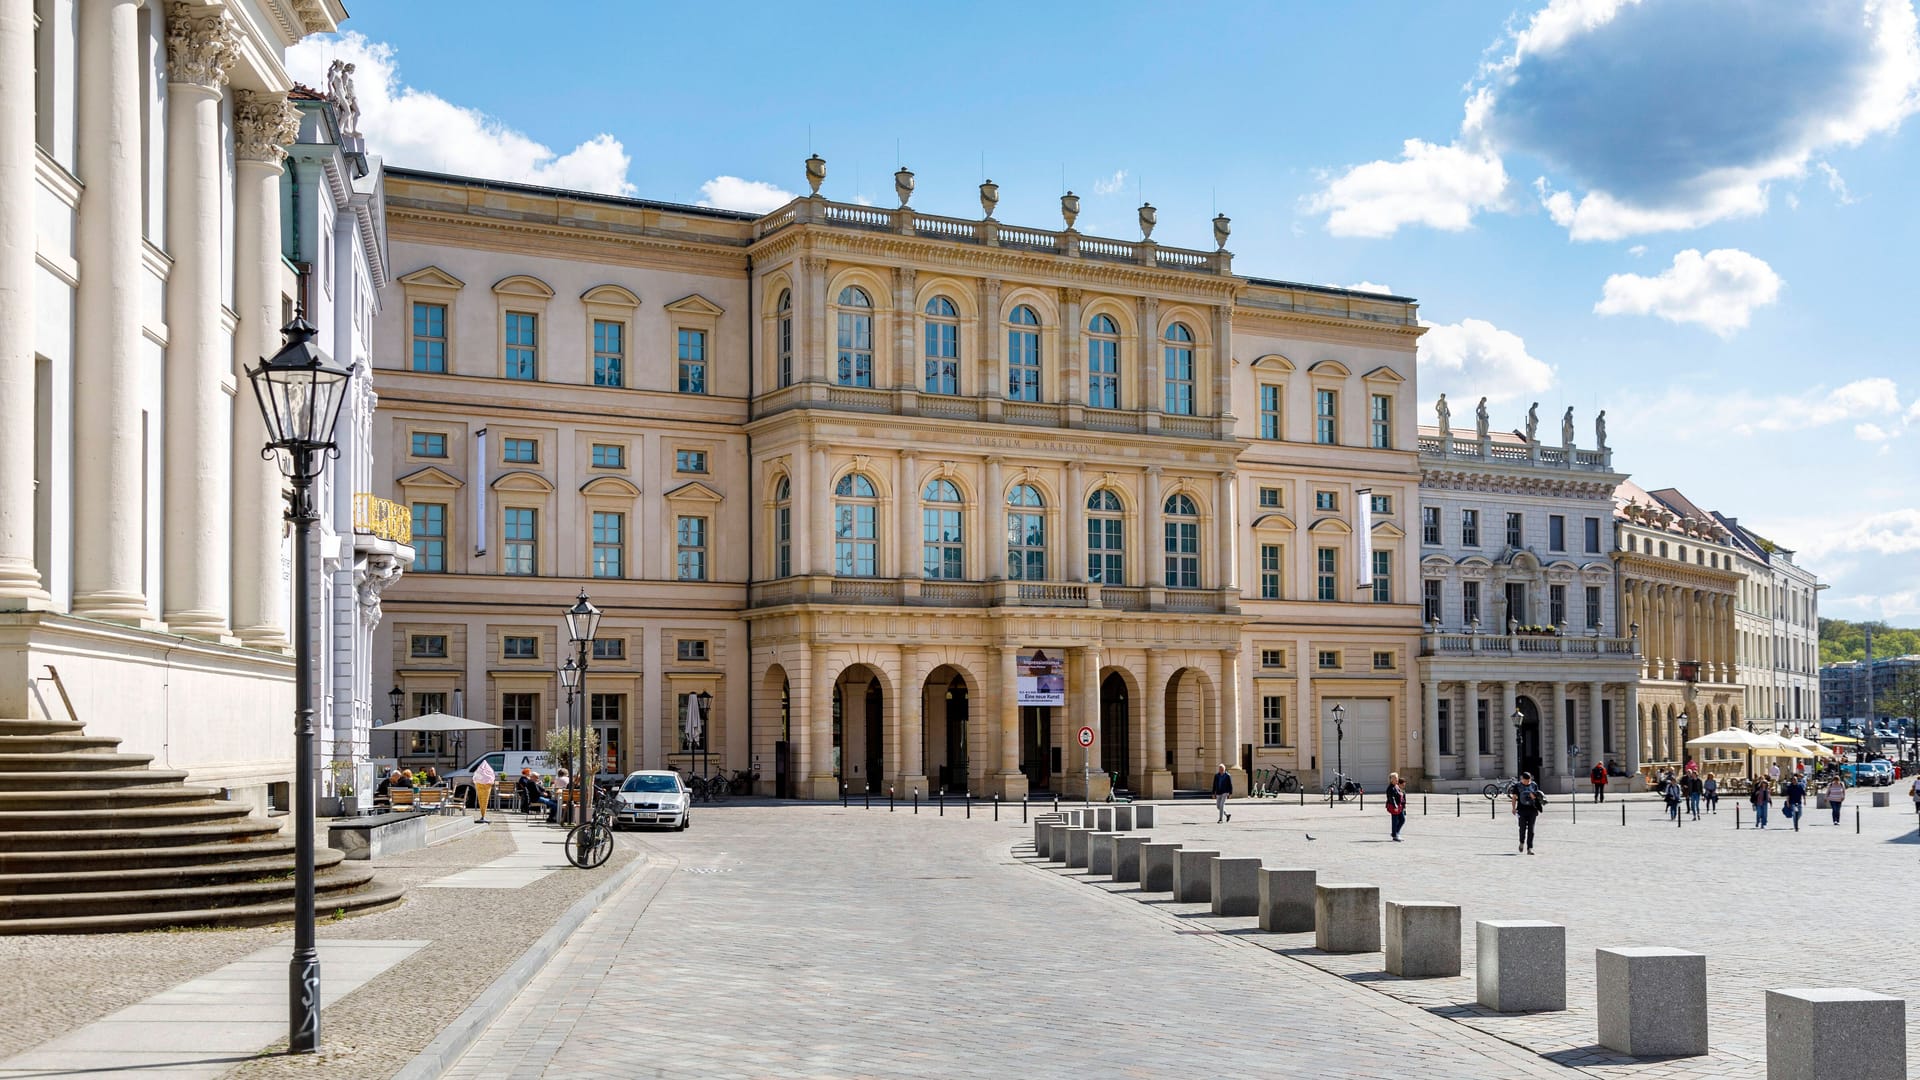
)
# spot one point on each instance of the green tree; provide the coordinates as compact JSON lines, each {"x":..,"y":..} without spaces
{"x":1841,"y":640}
{"x":1903,"y":699}
{"x":564,"y":744}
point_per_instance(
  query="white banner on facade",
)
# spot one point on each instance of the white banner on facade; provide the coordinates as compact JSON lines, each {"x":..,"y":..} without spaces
{"x":1363,"y":525}
{"x":1041,"y":678}
{"x":480,"y":492}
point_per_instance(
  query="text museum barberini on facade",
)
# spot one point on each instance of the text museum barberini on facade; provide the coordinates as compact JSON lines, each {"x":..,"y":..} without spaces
{"x":849,"y":469}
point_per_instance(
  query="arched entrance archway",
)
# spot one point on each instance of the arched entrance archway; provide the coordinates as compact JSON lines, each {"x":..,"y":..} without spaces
{"x":1528,"y":734}
{"x":1116,"y":731}
{"x":1193,"y":747}
{"x":947,"y":713}
{"x":859,"y":730}
{"x":785,"y":767}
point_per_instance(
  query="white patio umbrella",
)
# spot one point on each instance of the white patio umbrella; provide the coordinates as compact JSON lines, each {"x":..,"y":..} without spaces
{"x":1775,"y":746}
{"x":1729,"y":739}
{"x":437,"y":722}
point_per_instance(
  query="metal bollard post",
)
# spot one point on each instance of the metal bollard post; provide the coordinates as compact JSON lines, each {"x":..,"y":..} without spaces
{"x":943,"y":802}
{"x":916,"y":802}
{"x":1856,"y":821}
{"x":1623,"y":815}
{"x":1303,"y":794}
{"x":1023,"y":809}
{"x":843,"y":796}
{"x":1492,"y":815}
{"x":996,"y":808}
{"x":1423,"y":806}
{"x":969,"y":806}
{"x":1736,"y":817}
{"x":1363,"y":798}
{"x":1056,"y":802}
{"x":869,"y":798}
{"x":889,"y":798}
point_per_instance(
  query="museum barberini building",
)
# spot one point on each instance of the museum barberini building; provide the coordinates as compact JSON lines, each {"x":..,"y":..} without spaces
{"x":910,"y":500}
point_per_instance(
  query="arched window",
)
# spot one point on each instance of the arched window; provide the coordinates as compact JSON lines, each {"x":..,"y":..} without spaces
{"x":1023,"y":355}
{"x":943,"y":347}
{"x":1106,"y":539}
{"x":940,"y":517}
{"x":1182,"y":520}
{"x":783,"y":529}
{"x":783,"y":338}
{"x":1103,"y":363}
{"x":856,"y":527}
{"x":1026,"y":535}
{"x":1179,"y":370}
{"x":856,"y":338}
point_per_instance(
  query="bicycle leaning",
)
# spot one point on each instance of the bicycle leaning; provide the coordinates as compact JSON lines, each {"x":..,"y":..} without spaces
{"x":1274,"y":782}
{"x":589,"y":845}
{"x":709,"y":789}
{"x":1344,"y":787}
{"x":1500,"y":786}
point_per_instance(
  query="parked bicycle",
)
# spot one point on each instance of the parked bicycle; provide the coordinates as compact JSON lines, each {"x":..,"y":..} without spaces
{"x":742,"y":782}
{"x":1342,"y":788}
{"x":1500,"y":787}
{"x":1276,"y":782}
{"x":710,"y":789}
{"x":591,"y":844}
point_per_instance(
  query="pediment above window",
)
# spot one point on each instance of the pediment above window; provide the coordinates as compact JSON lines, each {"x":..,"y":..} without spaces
{"x":521,"y":480}
{"x":431,"y":277}
{"x":610,"y":485}
{"x":431,"y":477}
{"x":695,"y":491}
{"x":695,"y":304}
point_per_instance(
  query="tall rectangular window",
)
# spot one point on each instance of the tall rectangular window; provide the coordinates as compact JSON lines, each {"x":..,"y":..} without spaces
{"x":608,"y":544}
{"x":609,"y":353}
{"x":785,"y":341}
{"x":943,"y":355}
{"x":517,"y":712}
{"x":1326,"y":416}
{"x":1430,"y":601}
{"x":1269,"y":411}
{"x":1383,"y":577}
{"x":431,"y":444}
{"x":783,"y":540}
{"x":1484,"y":721}
{"x":1556,"y":605}
{"x":609,"y":456}
{"x":430,"y":337}
{"x":1445,"y":742}
{"x":519,"y":556}
{"x":1273,"y":720}
{"x":1326,"y":573}
{"x":1556,"y":532}
{"x":1380,"y":417}
{"x":1103,"y":364}
{"x":1516,"y":531}
{"x":1430,"y":526}
{"x":1183,"y":554}
{"x":520,"y":451}
{"x":523,"y":346}
{"x":690,"y":549}
{"x":1023,"y":357}
{"x":1106,"y":553}
{"x":1593,"y":607}
{"x":1178,"y":362}
{"x":1469,"y":528}
{"x":1269,"y":571}
{"x":430,"y":538}
{"x":1593,"y":536}
{"x":692,"y":350}
{"x":1470,"y":602}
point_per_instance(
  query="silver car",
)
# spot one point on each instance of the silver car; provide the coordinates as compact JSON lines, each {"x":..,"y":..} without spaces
{"x":655,"y":798}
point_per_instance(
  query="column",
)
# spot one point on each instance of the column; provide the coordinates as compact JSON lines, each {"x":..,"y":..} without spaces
{"x":1470,"y":728}
{"x":808,"y":503}
{"x":913,"y":700}
{"x":109,"y":492}
{"x":906,"y":504}
{"x":1229,"y":738}
{"x":819,"y":336}
{"x":907,"y":361}
{"x":993,"y":377}
{"x":993,"y":525}
{"x":198,"y":495}
{"x":1075,"y":498}
{"x":1556,"y":756}
{"x":820,"y":513}
{"x":1592,"y":745}
{"x":1227,"y":528}
{"x":821,"y":782}
{"x":1086,"y":710}
{"x":1072,"y":353}
{"x":1156,"y":782}
{"x":1630,"y":725}
{"x":1430,"y":730}
{"x":20,"y":585}
{"x":1508,"y":737}
{"x":1153,"y":567}
{"x":1012,"y":784}
{"x":262,"y":125}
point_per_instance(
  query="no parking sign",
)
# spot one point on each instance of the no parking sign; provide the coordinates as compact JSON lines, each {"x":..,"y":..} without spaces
{"x":1086,"y":736}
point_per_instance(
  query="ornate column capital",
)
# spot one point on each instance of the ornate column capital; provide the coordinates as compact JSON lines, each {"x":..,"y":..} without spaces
{"x":263,"y":125}
{"x":201,"y":46}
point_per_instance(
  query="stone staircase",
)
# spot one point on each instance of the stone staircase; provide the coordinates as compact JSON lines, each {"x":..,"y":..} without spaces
{"x":95,"y":841}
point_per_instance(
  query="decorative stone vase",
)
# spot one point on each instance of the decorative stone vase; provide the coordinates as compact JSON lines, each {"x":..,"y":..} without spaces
{"x":816,"y":172}
{"x":1222,"y":228}
{"x":989,"y":197}
{"x":903,"y":184}
{"x":1070,"y":208}
{"x":1148,"y":218}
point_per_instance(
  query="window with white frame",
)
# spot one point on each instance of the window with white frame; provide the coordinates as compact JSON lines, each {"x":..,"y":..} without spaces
{"x":855,"y":363}
{"x":692,"y":650}
{"x":1556,"y":532}
{"x":1326,"y":417}
{"x":609,"y":353}
{"x":430,"y":538}
{"x":943,"y":347}
{"x":1178,"y":370}
{"x":609,"y":544}
{"x":609,"y":648}
{"x":690,"y":461}
{"x":783,"y":335}
{"x":1269,"y":498}
{"x":517,"y":712}
{"x":520,"y":647}
{"x":943,"y":544}
{"x":1326,"y":564}
{"x":1430,"y":525}
{"x":1273,"y":720}
{"x":1026,"y":534}
{"x":518,"y":555}
{"x":1326,"y":500}
{"x":690,"y":548}
{"x":856,"y":527}
{"x":1329,"y":660}
{"x":520,"y":451}
{"x":429,"y":444}
{"x":1106,"y":539}
{"x":1181,"y":520}
{"x":1380,"y":416}
{"x":522,"y":346}
{"x":1383,"y":576}
{"x":1383,"y":661}
{"x":691,"y":349}
{"x":1444,"y":744}
{"x":430,"y":338}
{"x":1380,"y":504}
{"x":1023,"y":355}
{"x":427,"y":646}
{"x":1273,"y":658}
{"x":1269,"y":411}
{"x":1103,"y":363}
{"x":609,"y":456}
{"x":1269,"y":571}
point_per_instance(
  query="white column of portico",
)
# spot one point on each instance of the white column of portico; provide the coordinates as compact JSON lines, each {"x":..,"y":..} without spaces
{"x":1229,"y":737}
{"x":1557,"y":760}
{"x":198,"y":567}
{"x":820,"y":511}
{"x":262,"y":126}
{"x":913,"y":701}
{"x":1509,"y":737}
{"x":1592,"y":744}
{"x":993,"y":519}
{"x":1228,"y":529}
{"x":108,"y":485}
{"x":821,"y":782}
{"x":1153,"y":568}
{"x":1430,"y":729}
{"x":1470,"y":727}
{"x":20,"y":585}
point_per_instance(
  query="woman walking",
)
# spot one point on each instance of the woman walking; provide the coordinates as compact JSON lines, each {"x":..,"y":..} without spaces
{"x":1762,"y":799}
{"x":1396,"y":804}
{"x":1836,"y":794}
{"x":1711,"y":789}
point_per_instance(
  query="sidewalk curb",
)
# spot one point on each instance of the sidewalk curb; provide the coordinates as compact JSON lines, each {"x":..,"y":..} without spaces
{"x":456,"y":1038}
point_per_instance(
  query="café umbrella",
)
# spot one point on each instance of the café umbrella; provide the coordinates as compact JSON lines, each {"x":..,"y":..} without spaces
{"x":437,"y":721}
{"x":1732,"y":739}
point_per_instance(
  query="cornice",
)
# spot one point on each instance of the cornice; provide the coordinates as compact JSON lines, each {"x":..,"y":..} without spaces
{"x":423,"y":225}
{"x":1558,"y":484}
{"x":1358,"y":330}
{"x":1658,"y":571}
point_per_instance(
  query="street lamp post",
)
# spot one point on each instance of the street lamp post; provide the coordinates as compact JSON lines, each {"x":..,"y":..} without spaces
{"x":1519,"y":721}
{"x":570,"y":678}
{"x":394,"y":698}
{"x":1339,"y":750}
{"x":706,"y":727}
{"x":583,"y":622}
{"x":300,"y":390}
{"x":1681,"y":723}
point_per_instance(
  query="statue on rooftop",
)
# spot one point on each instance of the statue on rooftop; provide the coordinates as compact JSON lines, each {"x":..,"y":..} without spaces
{"x":1566,"y":428}
{"x":1600,"y":430}
{"x":1480,"y":420}
{"x":1446,"y":416}
{"x":1533,"y":422}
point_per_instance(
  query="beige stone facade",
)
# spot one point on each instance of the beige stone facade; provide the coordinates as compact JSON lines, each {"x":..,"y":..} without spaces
{"x":856,"y":463}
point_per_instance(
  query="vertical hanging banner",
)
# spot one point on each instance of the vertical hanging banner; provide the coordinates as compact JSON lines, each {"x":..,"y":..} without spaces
{"x":1363,"y":529}
{"x":480,"y":492}
{"x":1041,"y":678}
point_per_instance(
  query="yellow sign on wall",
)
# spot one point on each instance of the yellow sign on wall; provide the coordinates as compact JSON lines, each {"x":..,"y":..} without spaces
{"x":383,"y":518}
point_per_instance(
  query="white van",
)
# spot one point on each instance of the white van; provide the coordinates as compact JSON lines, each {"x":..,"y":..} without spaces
{"x":506,"y":766}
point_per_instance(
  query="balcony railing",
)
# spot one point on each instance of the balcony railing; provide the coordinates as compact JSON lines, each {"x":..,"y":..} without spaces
{"x":914,"y":592}
{"x":383,"y":518}
{"x":1510,"y":451}
{"x":1527,"y":645}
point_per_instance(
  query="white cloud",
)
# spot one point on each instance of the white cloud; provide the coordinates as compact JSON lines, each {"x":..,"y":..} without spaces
{"x":1872,"y":433}
{"x":1835,"y":183}
{"x":420,"y":129}
{"x":1637,"y":250}
{"x":1473,"y":357}
{"x":1111,"y":184}
{"x":1442,"y":187}
{"x":753,"y":196}
{"x":1684,"y":412}
{"x":1718,"y":290}
{"x":1889,"y":532}
{"x":1913,"y":412}
{"x":1368,"y":286}
{"x":1599,"y":216}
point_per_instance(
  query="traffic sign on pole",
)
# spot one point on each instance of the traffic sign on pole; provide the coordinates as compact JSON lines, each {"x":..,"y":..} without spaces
{"x":1086,"y":736}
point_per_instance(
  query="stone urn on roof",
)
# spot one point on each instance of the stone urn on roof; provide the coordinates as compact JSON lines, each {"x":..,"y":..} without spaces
{"x":816,"y":172}
{"x":1149,"y":217}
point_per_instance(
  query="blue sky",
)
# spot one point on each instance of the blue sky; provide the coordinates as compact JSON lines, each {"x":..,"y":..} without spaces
{"x":1695,"y":214}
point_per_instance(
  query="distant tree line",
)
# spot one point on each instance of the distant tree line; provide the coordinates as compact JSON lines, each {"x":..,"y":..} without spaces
{"x":1841,"y":640}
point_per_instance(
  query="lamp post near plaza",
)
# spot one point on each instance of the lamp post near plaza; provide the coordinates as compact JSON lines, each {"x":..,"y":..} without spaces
{"x":1339,"y":750}
{"x":1519,"y":721}
{"x":583,"y":622}
{"x":569,"y":678}
{"x":394,"y":697}
{"x":706,"y":727}
{"x":300,"y":391}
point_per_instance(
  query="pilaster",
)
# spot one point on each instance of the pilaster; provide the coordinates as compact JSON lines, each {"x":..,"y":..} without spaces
{"x":20,"y":585}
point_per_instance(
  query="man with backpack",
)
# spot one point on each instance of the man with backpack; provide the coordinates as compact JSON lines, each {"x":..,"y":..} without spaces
{"x":1598,"y":777}
{"x":1528,"y":801}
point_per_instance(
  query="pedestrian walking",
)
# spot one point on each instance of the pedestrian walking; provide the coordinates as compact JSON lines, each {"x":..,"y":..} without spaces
{"x":483,"y":780}
{"x":1914,"y":793}
{"x":1773,"y":774}
{"x":1528,"y":801}
{"x":1795,"y":796}
{"x":1693,"y":788}
{"x":1762,"y":799}
{"x":1836,"y":794}
{"x":1711,"y":789}
{"x":1222,"y":787}
{"x":1598,"y":778}
{"x":1671,"y":790}
{"x":1396,"y":804}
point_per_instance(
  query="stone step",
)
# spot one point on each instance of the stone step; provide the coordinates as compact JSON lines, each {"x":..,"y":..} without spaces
{"x":86,"y":779}
{"x":260,"y":914}
{"x":15,"y":726}
{"x":275,"y":846}
{"x":155,"y":877}
{"x":119,"y":817}
{"x":78,"y":761}
{"x":146,"y":795}
{"x":110,"y":839}
{"x":265,"y":888}
{"x":61,"y":743}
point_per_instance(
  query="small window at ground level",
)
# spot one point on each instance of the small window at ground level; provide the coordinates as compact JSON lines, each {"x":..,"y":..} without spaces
{"x":1329,"y":659}
{"x":520,"y":647}
{"x":428,"y":646}
{"x":692,"y":649}
{"x":1383,"y":661}
{"x":1273,"y":658}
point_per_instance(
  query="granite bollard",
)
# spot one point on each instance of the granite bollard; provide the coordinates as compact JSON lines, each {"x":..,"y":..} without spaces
{"x":1143,"y":815}
{"x":1422,"y":939}
{"x":1103,"y":818}
{"x":1346,"y":917}
{"x":1040,"y":837}
{"x":1123,"y":818}
{"x":1156,"y":867}
{"x":1286,"y":899}
{"x":1057,"y":843}
{"x":1520,"y":965}
{"x":1236,"y":886}
{"x":1126,"y":857}
{"x":1193,"y":875}
{"x":1882,"y":798}
{"x":1077,"y":847}
{"x":1652,"y":1001}
{"x":1819,"y":1034}
{"x":1100,"y":853}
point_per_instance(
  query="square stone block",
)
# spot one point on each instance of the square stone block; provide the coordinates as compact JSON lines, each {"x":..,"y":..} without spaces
{"x":1346,"y":918}
{"x":1156,"y":867}
{"x":1236,"y":886}
{"x":1286,"y":899}
{"x":1882,"y":798}
{"x":1193,"y":876}
{"x":1123,"y":818}
{"x":1143,"y":815}
{"x":1103,"y":818}
{"x":1100,"y":853}
{"x":1077,"y":846}
{"x":1820,"y":1034}
{"x":1520,"y":965}
{"x":1057,"y":843}
{"x":1422,"y":939}
{"x":1070,"y":817}
{"x":1126,"y":857}
{"x":1820,"y":800}
{"x":1040,"y":838}
{"x":1652,"y":1001}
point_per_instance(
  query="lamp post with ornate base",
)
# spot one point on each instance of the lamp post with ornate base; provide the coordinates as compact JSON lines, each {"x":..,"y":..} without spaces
{"x":583,"y":622}
{"x":570,"y":678}
{"x":1339,"y":751}
{"x":300,"y":391}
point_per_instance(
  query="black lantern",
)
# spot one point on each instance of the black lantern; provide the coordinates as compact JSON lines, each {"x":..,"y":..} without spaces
{"x":300,"y":391}
{"x":394,"y":697}
{"x":583,"y":621}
